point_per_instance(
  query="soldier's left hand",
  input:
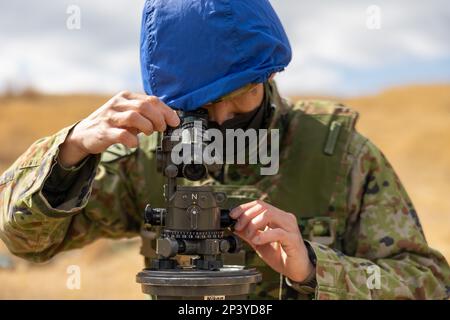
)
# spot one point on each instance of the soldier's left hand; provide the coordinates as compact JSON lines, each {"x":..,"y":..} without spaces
{"x":275,"y":236}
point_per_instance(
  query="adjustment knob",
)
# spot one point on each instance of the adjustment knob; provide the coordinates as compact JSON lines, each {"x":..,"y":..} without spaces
{"x":155,"y":217}
{"x":225,"y":219}
{"x":235,"y":244}
{"x":166,"y":247}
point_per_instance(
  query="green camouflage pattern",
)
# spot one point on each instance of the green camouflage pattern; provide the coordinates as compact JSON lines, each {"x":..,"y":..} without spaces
{"x":350,"y":204}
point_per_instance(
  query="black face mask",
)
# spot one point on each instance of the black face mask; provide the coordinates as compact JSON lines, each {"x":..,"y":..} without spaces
{"x":255,"y":119}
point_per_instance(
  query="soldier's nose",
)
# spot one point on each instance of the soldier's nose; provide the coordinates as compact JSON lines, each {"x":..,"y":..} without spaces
{"x":219,"y":112}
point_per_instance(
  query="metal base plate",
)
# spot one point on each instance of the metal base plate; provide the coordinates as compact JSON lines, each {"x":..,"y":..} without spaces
{"x":230,"y":282}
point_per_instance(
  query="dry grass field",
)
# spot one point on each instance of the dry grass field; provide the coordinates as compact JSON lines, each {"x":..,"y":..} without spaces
{"x":410,"y":124}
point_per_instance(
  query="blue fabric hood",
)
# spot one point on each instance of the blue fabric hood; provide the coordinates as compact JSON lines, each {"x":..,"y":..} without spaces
{"x":195,"y":51}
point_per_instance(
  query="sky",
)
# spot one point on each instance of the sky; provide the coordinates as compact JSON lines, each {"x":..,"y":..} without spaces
{"x":340,"y":48}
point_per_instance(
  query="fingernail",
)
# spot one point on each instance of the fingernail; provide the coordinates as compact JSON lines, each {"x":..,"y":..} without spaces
{"x":256,"y":240}
{"x":233,"y":214}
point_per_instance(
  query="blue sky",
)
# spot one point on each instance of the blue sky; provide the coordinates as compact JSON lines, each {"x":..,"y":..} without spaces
{"x":335,"y":53}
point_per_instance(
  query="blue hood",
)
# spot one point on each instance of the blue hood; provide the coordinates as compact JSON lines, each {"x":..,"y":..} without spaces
{"x":195,"y":51}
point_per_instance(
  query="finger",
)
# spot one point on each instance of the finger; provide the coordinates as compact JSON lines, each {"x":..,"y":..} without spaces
{"x":247,"y":215}
{"x":146,"y":110}
{"x":133,"y":131}
{"x":153,"y":113}
{"x":125,"y":94}
{"x":123,"y":136}
{"x":242,"y":236}
{"x":159,"y":113}
{"x":236,"y":212}
{"x":258,"y":223}
{"x":275,"y":218}
{"x":132,"y":95}
{"x":170,"y":116}
{"x":290,"y":242}
{"x":133,"y":120}
{"x":269,"y":252}
{"x":271,"y":235}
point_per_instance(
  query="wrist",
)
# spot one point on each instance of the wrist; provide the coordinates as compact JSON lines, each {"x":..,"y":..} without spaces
{"x":71,"y":152}
{"x":310,"y":270}
{"x":311,"y":276}
{"x":308,"y":284}
{"x":311,"y":267}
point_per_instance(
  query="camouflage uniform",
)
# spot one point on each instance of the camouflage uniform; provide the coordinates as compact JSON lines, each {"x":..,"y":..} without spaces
{"x":350,"y":204}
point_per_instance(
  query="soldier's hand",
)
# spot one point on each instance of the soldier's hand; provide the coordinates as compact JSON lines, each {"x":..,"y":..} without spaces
{"x":275,"y":236}
{"x":119,"y":120}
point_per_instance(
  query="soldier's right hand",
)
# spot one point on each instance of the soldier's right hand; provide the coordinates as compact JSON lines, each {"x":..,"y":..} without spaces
{"x":119,"y":120}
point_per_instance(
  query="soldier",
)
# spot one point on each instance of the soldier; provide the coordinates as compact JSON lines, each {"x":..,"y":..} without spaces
{"x":334,"y":223}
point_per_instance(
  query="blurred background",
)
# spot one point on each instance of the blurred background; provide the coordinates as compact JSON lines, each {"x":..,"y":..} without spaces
{"x":390,"y":60}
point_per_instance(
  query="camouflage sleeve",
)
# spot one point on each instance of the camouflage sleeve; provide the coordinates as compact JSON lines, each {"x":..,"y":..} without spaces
{"x":105,"y":199}
{"x":61,"y":181}
{"x":390,"y":258}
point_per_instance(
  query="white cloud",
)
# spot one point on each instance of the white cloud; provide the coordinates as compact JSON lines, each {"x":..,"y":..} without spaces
{"x":329,"y":36}
{"x":61,"y":70}
{"x":38,"y":50}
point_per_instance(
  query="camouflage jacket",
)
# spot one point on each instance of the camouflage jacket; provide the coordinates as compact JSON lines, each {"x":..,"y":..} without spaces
{"x":357,"y":218}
